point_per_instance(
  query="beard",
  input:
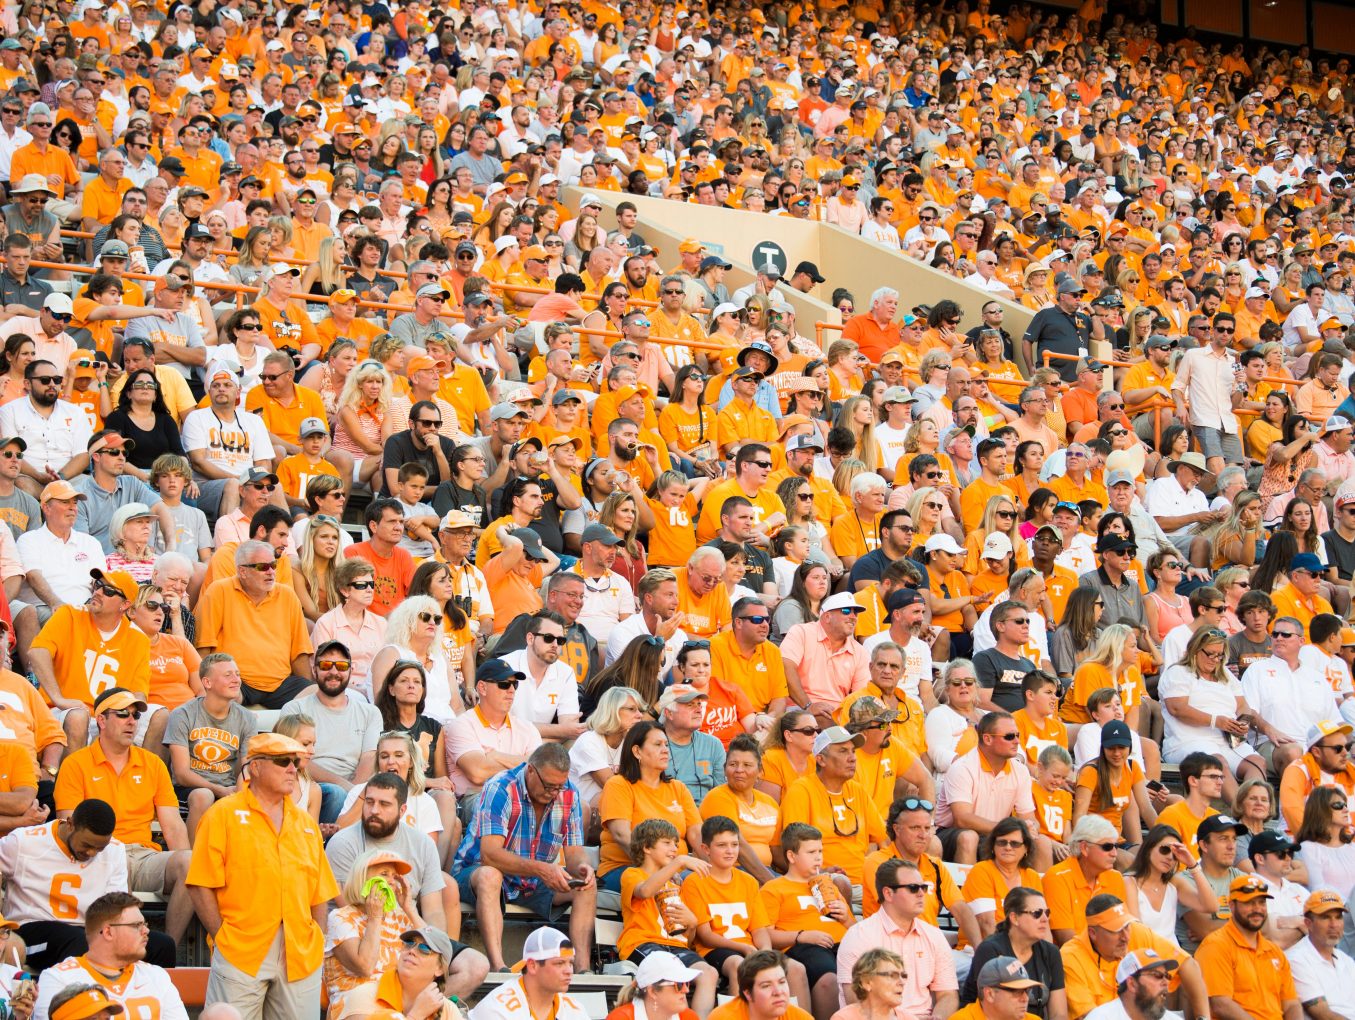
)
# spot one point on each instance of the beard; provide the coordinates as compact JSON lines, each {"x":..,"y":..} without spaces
{"x":1150,"y":1004}
{"x":378,"y":829}
{"x":626,"y":453}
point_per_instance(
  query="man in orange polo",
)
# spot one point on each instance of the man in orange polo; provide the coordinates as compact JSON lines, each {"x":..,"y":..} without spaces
{"x":138,"y":787}
{"x":260,"y":881}
{"x":260,"y":624}
{"x":1248,"y":976}
{"x":1072,"y":883}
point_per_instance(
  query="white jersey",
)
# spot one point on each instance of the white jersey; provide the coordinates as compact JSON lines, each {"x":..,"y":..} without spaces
{"x":143,"y":989}
{"x":509,"y":1002}
{"x":44,"y":883}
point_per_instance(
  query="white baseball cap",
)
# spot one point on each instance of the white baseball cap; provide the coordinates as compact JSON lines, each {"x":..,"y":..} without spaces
{"x":944,"y":543}
{"x":660,"y":967}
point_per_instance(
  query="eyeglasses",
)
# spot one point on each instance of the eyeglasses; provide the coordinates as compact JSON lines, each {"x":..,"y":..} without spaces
{"x":340,"y":664}
{"x":433,"y":618}
{"x":553,"y":639}
{"x":261,"y":568}
{"x":263,"y":486}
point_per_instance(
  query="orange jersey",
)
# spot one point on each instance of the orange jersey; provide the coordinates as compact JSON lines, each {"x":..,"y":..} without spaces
{"x":86,"y":663}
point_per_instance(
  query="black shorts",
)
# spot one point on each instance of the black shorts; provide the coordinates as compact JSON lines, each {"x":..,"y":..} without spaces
{"x":949,"y":836}
{"x":274,"y":700}
{"x":815,"y":959}
{"x":688,"y":958}
{"x":717,"y":958}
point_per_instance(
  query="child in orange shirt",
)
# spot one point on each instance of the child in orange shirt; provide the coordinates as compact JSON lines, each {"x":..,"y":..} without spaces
{"x":673,"y":501}
{"x":654,"y":915}
{"x":1038,"y":724}
{"x":808,"y":935}
{"x":296,"y":471}
{"x":731,"y":918}
{"x":1053,"y":801}
{"x":1111,"y":784}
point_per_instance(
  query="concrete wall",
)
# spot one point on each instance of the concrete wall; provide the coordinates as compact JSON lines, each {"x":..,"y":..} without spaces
{"x":747,"y":239}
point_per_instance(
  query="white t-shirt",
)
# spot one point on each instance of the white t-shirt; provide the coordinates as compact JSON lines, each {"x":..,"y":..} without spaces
{"x":890,"y":442}
{"x":590,"y":753}
{"x":421,"y":812}
{"x":606,"y":602}
{"x":233,"y":445}
{"x":917,"y":661}
{"x":1316,"y":978}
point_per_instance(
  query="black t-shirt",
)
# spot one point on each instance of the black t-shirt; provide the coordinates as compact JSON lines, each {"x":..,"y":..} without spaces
{"x":1045,"y":966}
{"x":760,"y":569}
{"x":474,"y":502}
{"x":1002,"y":675}
{"x":1340,"y":554}
{"x":400,"y":450}
{"x":547,"y":526}
{"x":425,"y":733}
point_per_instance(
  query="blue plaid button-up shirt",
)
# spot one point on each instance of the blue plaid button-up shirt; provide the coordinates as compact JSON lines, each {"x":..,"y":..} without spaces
{"x":506,"y":810}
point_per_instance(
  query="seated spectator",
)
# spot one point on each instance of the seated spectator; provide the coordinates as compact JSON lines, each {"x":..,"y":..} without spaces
{"x":659,"y":989}
{"x":420,"y":977}
{"x":824,"y":661}
{"x":382,"y":827}
{"x":353,"y":958}
{"x":71,"y":656}
{"x":129,"y":533}
{"x":109,"y":485}
{"x":260,"y":624}
{"x":483,"y":743}
{"x":117,"y":934}
{"x":1024,"y":936}
{"x":696,"y":758}
{"x":1326,"y":763}
{"x":385,"y":521}
{"x":548,"y":697}
{"x":1113,"y":787}
{"x":138,"y":787}
{"x":527,"y":821}
{"x":412,"y":634}
{"x":739,"y":798}
{"x":1163,"y":875}
{"x":547,"y":968}
{"x":1004,"y":865}
{"x":352,"y":621}
{"x":1321,"y":971}
{"x":57,"y":559}
{"x":346,"y":729}
{"x":1261,"y":987}
{"x":1322,"y":846}
{"x":206,"y":737}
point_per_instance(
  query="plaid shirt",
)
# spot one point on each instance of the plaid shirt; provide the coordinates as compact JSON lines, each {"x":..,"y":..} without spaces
{"x":505,"y":810}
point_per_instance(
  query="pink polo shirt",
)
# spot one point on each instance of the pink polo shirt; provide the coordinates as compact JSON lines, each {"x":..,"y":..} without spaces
{"x":930,"y":966}
{"x":993,"y":795}
{"x":471,"y":732}
{"x":825,"y":675}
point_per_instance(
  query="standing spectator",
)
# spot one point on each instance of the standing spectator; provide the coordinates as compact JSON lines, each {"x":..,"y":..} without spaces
{"x":260,"y":882}
{"x":1203,"y":391}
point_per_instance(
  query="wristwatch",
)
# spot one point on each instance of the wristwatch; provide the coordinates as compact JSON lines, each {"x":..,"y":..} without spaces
{"x":50,"y":770}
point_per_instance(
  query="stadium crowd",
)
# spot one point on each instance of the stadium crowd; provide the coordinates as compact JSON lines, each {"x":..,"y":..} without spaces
{"x":394,"y":534}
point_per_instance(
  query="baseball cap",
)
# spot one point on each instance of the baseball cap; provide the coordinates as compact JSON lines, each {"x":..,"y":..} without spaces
{"x":1335,"y":424}
{"x":1119,"y":477}
{"x":902,"y":598}
{"x":1219,"y":823}
{"x":505,"y":411}
{"x":545,"y":944}
{"x":1326,"y":728}
{"x":842,"y":600}
{"x":867,"y":710}
{"x":836,"y":735}
{"x":1270,"y":842}
{"x":1248,"y":887}
{"x":943,"y":543}
{"x":663,"y":968}
{"x":680,"y":694}
{"x":1140,"y":960}
{"x":59,"y":303}
{"x":599,"y":533}
{"x":1116,"y":734}
{"x":433,"y":938}
{"x":996,"y":546}
{"x":1005,"y":972}
{"x":1322,"y":901}
{"x":256,"y":475}
{"x":1306,"y":561}
{"x":119,"y":579}
{"x":804,"y":442}
{"x":312,"y":427}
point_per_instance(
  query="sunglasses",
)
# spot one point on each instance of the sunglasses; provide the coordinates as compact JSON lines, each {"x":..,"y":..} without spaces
{"x":340,"y":664}
{"x":1037,"y":913}
{"x":363,"y":585}
{"x":126,"y":713}
{"x":108,"y":590}
{"x":553,"y":639}
{"x":506,"y":685}
{"x":806,"y":731}
{"x":261,"y":568}
{"x":912,"y":887}
{"x":433,"y":618}
{"x":282,"y":761}
{"x":155,"y":607}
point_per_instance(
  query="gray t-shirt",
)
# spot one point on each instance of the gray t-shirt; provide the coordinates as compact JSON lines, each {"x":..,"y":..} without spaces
{"x":348,"y":844}
{"x":95,"y":512}
{"x":483,"y":169}
{"x":190,"y":532}
{"x":213,"y":744}
{"x":21,"y":512}
{"x":182,"y":332}
{"x":408,"y":329}
{"x":342,"y":736}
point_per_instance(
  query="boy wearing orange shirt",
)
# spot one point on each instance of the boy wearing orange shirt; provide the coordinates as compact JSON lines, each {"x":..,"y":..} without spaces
{"x":731,"y":919}
{"x":808,"y":935}
{"x":1038,"y":723}
{"x":654,"y":916}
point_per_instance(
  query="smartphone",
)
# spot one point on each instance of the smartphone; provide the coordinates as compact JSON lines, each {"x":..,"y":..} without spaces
{"x":577,"y":883}
{"x":1155,"y":786}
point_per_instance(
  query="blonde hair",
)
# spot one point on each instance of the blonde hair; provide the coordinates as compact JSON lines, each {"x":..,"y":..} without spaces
{"x":349,"y":396}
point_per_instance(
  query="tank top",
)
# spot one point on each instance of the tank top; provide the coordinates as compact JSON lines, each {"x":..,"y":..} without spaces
{"x":1169,"y":616}
{"x":1162,"y":922}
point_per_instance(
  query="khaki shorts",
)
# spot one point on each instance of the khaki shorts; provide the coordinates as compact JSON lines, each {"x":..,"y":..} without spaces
{"x":146,"y":868}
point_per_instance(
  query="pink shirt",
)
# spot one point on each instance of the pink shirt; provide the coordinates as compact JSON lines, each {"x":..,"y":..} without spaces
{"x":992,"y":795}
{"x":1333,"y":464}
{"x":925,"y":950}
{"x":825,"y":675}
{"x":472,"y":732}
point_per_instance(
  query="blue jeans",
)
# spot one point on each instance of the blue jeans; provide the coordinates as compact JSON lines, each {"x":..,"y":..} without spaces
{"x":332,"y":797}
